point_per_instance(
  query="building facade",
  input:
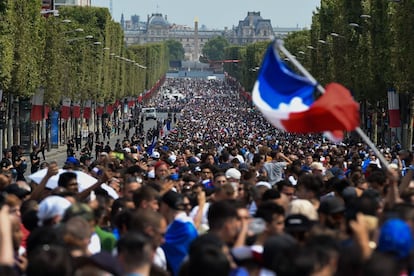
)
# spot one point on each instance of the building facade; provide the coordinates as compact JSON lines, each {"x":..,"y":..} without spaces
{"x":157,"y":29}
{"x":55,"y":4}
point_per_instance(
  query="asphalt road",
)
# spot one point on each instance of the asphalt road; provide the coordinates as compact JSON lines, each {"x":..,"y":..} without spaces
{"x":59,"y":154}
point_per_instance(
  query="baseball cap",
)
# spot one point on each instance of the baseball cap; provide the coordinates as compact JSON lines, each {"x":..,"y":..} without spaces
{"x":16,"y":190}
{"x":233,"y":173}
{"x":331,"y":205}
{"x":395,"y":238}
{"x":72,"y":161}
{"x":194,"y":160}
{"x":264,"y":184}
{"x":317,"y":166}
{"x":78,"y":209}
{"x":302,"y":207}
{"x":155,"y":155}
{"x":52,"y":206}
{"x":174,"y":200}
{"x":297,"y":223}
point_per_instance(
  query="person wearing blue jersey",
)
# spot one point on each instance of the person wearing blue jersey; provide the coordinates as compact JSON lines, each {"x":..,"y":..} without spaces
{"x":180,"y":231}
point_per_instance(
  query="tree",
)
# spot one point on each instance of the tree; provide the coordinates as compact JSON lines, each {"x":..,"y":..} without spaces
{"x":403,"y":51}
{"x":175,"y":50}
{"x":214,"y":48}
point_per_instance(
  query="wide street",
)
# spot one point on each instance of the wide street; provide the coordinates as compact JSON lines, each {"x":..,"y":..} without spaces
{"x":59,"y":154}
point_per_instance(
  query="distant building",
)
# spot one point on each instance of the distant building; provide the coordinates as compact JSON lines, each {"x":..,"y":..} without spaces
{"x":157,"y":29}
{"x":252,"y":29}
{"x":83,"y":3}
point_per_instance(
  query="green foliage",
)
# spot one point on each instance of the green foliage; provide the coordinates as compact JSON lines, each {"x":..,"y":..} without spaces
{"x":250,"y":58}
{"x":175,"y":50}
{"x":26,"y":63}
{"x":214,"y":48}
{"x":234,"y":53}
{"x":7,"y":31}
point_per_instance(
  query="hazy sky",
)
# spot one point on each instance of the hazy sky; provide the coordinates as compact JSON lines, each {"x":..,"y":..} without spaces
{"x":217,"y":14}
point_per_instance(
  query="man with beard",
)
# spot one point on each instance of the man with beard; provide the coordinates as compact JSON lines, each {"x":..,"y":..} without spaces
{"x":331,"y":213}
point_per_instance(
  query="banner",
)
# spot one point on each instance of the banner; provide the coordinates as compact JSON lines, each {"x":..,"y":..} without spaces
{"x":36,"y":113}
{"x":394,"y":109}
{"x":100,"y":109}
{"x":76,"y":110}
{"x":65,"y":108}
{"x":54,"y":129}
{"x":87,"y":110}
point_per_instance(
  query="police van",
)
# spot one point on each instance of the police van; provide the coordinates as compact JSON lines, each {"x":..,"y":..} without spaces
{"x":149,"y":113}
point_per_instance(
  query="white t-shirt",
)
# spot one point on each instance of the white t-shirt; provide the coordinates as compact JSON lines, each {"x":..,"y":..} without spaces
{"x":95,"y":244}
{"x":159,"y":258}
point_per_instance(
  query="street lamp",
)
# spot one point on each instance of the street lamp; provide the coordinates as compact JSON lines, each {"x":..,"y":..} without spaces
{"x":322,"y":41}
{"x":77,"y":30}
{"x":47,"y":12}
{"x":354,"y":25}
{"x":310,"y":47}
{"x":365,"y":16}
{"x":141,"y":66}
{"x":79,"y":38}
{"x":336,"y":35}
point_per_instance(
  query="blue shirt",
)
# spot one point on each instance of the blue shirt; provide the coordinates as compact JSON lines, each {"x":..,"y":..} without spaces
{"x":180,"y":233}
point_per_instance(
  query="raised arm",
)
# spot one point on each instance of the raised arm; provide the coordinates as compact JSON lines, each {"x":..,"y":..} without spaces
{"x":52,"y":170}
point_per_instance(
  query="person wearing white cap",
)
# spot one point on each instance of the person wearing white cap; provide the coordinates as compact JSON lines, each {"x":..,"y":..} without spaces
{"x":317,"y":168}
{"x":233,"y":177}
{"x":51,"y":210}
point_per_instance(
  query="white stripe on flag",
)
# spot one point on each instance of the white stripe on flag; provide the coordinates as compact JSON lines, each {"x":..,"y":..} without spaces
{"x":393,"y":100}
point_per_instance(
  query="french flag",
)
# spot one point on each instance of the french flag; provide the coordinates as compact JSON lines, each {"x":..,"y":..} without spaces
{"x":87,"y":109}
{"x":289,"y":101}
{"x":100,"y":109}
{"x":37,"y":106}
{"x":76,"y":110}
{"x":65,"y":108}
{"x":394,"y":109}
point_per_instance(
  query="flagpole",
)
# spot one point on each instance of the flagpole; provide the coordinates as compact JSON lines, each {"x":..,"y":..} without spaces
{"x":294,"y":61}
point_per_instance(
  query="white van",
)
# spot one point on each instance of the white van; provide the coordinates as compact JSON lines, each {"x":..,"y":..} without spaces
{"x":149,"y":113}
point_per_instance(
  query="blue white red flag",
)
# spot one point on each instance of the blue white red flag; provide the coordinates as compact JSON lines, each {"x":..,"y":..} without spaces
{"x":151,"y":147}
{"x":288,"y":101}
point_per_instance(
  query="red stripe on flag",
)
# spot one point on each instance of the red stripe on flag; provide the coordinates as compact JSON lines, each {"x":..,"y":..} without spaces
{"x":36,"y":113}
{"x":65,"y":109}
{"x":87,"y":112}
{"x":109,"y":108}
{"x":46,"y":112}
{"x":65,"y":112}
{"x":335,"y":110}
{"x":99,"y":110}
{"x":395,"y":120}
{"x":76,"y":111}
{"x":37,"y":106}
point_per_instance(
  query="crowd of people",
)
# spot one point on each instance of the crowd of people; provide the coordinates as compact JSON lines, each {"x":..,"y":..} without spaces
{"x":221,"y":192}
